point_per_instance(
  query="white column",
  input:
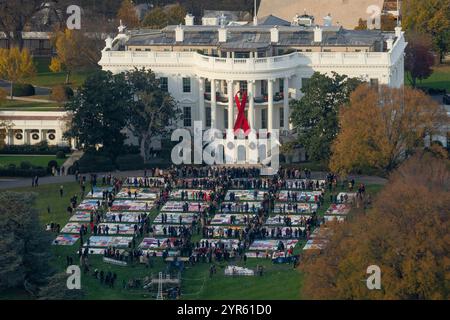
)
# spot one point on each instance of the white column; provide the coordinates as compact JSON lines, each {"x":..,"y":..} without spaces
{"x":270,"y":104}
{"x":286,"y":110}
{"x":213,"y":104}
{"x":230,"y":104}
{"x":251,"y":103}
{"x":201,"y":100}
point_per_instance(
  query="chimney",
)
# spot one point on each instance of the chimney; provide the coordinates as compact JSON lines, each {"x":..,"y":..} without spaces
{"x":398,"y":31}
{"x":274,"y":34}
{"x":390,"y":43}
{"x":317,"y":34}
{"x":179,"y":34}
{"x":222,"y":34}
{"x":328,"y":21}
{"x":189,"y":19}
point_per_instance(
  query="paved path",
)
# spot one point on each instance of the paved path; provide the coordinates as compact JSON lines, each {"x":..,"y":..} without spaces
{"x":10,"y":183}
{"x":31,"y":99}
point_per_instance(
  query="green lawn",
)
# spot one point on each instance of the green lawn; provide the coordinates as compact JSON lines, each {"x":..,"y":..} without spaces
{"x":439,"y":79}
{"x":45,"y":78}
{"x":35,"y":160}
{"x":277,"y":282}
{"x":17,"y":105}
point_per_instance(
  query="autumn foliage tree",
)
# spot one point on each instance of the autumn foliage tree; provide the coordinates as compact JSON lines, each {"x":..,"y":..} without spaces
{"x":15,"y":65}
{"x":430,"y":17}
{"x":418,"y":58}
{"x":74,"y":51}
{"x":159,"y":18}
{"x":405,"y":233}
{"x":381,"y":126}
{"x":127,"y":14}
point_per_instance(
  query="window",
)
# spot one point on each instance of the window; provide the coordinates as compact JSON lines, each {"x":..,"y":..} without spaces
{"x":208,"y":117}
{"x":263,"y":118}
{"x":308,"y":50}
{"x":243,"y":86}
{"x":207,"y":85}
{"x":281,"y":85}
{"x":164,"y":84}
{"x":186,"y":85}
{"x":281,"y":117}
{"x":225,"y":117}
{"x":263,"y":87}
{"x":374,"y":82}
{"x":187,"y":120}
{"x":305,"y":82}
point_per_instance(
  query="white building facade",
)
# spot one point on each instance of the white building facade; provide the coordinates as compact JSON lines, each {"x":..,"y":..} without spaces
{"x":34,"y":127}
{"x":204,"y":66}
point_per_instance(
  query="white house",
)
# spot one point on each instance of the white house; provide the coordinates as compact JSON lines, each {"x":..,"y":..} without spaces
{"x":204,"y":66}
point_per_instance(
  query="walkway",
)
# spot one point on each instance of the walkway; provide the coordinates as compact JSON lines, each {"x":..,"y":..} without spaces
{"x":11,"y":183}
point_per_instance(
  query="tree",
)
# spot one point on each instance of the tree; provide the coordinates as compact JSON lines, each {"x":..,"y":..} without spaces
{"x":159,"y":18}
{"x":25,"y":246}
{"x":431,"y":17}
{"x":98,"y":112}
{"x":4,"y":127}
{"x":152,"y":112}
{"x":61,"y":94}
{"x":127,"y":14}
{"x":176,"y":14}
{"x":15,"y":65}
{"x":156,"y":19}
{"x":405,"y":233}
{"x":388,"y":23}
{"x":15,"y":16}
{"x":314,"y":116}
{"x":56,"y":289}
{"x":3,"y":95}
{"x":418,"y":58}
{"x":74,"y":51}
{"x":381,"y":126}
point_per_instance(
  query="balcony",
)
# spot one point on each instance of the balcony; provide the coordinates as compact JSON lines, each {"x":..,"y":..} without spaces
{"x":258,"y":99}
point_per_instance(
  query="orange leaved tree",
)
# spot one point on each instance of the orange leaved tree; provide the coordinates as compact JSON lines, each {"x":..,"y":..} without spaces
{"x":405,"y":234}
{"x":381,"y":126}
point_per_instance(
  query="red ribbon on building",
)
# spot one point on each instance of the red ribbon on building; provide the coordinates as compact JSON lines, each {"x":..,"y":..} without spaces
{"x":241,"y":120}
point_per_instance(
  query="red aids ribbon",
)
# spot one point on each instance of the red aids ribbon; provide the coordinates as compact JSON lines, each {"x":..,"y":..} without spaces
{"x":241,"y":120}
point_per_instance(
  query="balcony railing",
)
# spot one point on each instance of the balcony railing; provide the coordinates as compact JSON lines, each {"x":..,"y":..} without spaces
{"x":258,"y":99}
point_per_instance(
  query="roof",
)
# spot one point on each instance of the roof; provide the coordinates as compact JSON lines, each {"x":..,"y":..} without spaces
{"x":345,"y":12}
{"x":255,"y":37}
{"x":271,"y":20}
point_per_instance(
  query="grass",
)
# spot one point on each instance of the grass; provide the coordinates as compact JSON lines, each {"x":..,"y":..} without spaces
{"x":45,"y":78}
{"x":35,"y":160}
{"x":18,"y":105}
{"x":277,"y":282}
{"x":439,"y":79}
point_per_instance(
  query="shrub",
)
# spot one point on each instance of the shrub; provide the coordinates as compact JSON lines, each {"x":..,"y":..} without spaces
{"x":25,"y":165}
{"x":62,"y":93}
{"x":23,"y":90}
{"x":15,"y":172}
{"x":94,"y":162}
{"x":130,"y":162}
{"x":42,"y":149}
{"x":60,"y":154}
{"x":52,"y":163}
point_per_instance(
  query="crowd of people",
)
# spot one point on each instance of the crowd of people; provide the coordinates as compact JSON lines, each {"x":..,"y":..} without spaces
{"x":212,"y":184}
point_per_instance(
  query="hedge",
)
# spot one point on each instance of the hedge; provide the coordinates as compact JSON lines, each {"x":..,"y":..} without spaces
{"x":18,"y":172}
{"x":91,"y":162}
{"x":23,"y":90}
{"x":130,"y":162}
{"x":33,"y":149}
